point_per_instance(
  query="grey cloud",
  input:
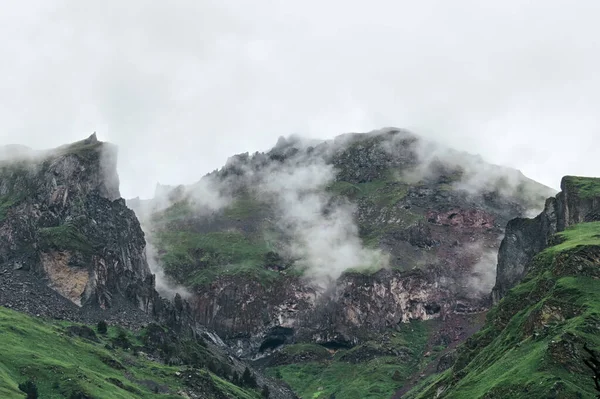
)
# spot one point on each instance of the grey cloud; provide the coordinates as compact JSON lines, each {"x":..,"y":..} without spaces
{"x":180,"y":86}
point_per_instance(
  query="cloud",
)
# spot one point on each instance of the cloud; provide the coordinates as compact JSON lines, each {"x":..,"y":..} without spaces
{"x":468,"y":172}
{"x":481,"y":280}
{"x":181,"y":87}
{"x":324,"y":235}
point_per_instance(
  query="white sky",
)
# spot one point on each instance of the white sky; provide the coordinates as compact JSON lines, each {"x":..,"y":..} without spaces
{"x":182,"y":85}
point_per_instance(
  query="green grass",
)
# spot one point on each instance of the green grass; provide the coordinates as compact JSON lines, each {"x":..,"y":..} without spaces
{"x":298,"y":349}
{"x":197,"y":259}
{"x":531,"y":344}
{"x":383,"y":192}
{"x":65,"y":237}
{"x":578,"y":235}
{"x":345,"y":380}
{"x":39,"y":350}
{"x":6,"y":203}
{"x":586,"y":187}
{"x":59,"y":365}
{"x":244,"y":207}
{"x":357,"y":380}
{"x":179,"y":211}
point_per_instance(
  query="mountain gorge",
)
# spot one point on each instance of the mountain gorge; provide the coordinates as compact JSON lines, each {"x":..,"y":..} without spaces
{"x":367,"y":266}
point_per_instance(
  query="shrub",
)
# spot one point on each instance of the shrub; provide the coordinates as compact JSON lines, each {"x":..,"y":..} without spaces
{"x":30,"y":389}
{"x":102,"y":327}
{"x":265,"y":392}
{"x":248,"y":379}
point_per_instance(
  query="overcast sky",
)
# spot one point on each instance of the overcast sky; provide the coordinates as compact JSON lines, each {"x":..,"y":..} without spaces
{"x":182,"y":85}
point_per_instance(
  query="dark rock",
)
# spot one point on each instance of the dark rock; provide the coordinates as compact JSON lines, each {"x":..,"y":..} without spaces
{"x":82,"y":332}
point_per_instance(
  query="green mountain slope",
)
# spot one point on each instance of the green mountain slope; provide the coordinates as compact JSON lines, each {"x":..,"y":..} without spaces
{"x":109,"y":366}
{"x":532,"y":343}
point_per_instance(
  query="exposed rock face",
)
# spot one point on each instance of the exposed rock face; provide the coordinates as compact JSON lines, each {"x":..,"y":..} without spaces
{"x":525,"y":238}
{"x":64,"y":220}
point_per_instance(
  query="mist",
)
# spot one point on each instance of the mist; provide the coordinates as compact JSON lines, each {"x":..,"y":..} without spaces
{"x":481,"y":280}
{"x":180,"y":88}
{"x":470,"y":172}
{"x":324,"y":235}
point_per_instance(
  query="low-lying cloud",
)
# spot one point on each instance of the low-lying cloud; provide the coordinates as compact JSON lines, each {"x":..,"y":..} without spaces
{"x":324,"y":235}
{"x":482,"y":277}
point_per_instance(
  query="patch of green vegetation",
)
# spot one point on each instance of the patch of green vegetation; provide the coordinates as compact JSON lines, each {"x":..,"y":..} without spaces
{"x":586,"y":187}
{"x":297,"y":349}
{"x":578,"y":235}
{"x":178,"y":211}
{"x":61,"y":365}
{"x":65,"y":237}
{"x":17,"y":179}
{"x":531,"y":344}
{"x":344,"y":188}
{"x":243,"y":208}
{"x":383,"y":192}
{"x":233,"y":391}
{"x":196,"y":259}
{"x":6,"y":203}
{"x":348,"y":377}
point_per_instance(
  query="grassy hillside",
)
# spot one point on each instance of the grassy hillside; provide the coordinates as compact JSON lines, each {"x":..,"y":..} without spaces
{"x":374,"y":369}
{"x":531,"y":345}
{"x":67,"y":366}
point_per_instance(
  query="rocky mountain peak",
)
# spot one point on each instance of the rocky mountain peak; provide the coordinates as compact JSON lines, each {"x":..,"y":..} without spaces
{"x":63,"y":219}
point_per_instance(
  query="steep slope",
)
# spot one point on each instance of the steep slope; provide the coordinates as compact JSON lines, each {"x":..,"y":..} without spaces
{"x":62,"y":219}
{"x":71,"y":249}
{"x":73,"y":361}
{"x":338,"y":243}
{"x":532,"y":343}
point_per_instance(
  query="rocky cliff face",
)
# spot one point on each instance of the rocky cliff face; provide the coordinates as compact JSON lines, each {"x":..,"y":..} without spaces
{"x":264,"y":274}
{"x":63,"y":219}
{"x":578,"y":202}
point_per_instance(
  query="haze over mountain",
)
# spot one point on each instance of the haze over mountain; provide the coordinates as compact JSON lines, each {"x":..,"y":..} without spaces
{"x":293,"y":200}
{"x":180,"y":88}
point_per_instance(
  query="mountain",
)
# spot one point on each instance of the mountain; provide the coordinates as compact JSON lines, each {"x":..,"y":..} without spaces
{"x":367,"y":266}
{"x":345,"y":267}
{"x":70,"y":249}
{"x":533,"y":344}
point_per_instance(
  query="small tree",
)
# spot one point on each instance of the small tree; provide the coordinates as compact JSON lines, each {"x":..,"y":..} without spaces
{"x":235,"y":378}
{"x":102,"y":327}
{"x":122,"y":340}
{"x":248,"y":379}
{"x":30,"y":389}
{"x":265,"y":392}
{"x":594,"y":364}
{"x":278,"y":374}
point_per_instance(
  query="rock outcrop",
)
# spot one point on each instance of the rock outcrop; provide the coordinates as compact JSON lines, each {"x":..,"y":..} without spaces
{"x":578,"y":202}
{"x":63,"y":219}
